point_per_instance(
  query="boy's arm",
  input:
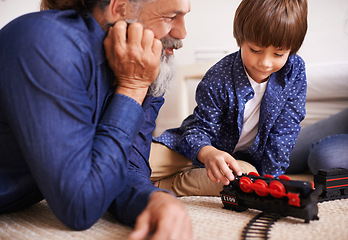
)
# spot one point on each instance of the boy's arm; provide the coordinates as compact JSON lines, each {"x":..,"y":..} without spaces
{"x":201,"y":127}
{"x":284,"y":132}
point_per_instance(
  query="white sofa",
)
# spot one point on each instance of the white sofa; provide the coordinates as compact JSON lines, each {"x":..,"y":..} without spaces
{"x":327,"y":91}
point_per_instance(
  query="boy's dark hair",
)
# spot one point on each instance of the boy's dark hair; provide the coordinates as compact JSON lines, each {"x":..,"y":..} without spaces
{"x":280,"y":23}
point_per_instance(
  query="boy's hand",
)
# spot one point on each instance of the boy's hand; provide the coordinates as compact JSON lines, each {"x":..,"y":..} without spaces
{"x":219,"y":164}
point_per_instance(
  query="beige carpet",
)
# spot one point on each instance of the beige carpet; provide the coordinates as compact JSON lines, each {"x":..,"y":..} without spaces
{"x":210,"y":221}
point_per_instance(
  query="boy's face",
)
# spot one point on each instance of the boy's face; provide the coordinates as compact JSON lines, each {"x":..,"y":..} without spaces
{"x":261,"y":62}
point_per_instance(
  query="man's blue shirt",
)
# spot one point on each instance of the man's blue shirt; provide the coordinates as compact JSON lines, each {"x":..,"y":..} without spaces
{"x":63,"y":132}
{"x":218,"y":118}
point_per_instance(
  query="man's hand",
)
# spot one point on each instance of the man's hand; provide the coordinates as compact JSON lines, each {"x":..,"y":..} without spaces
{"x":218,"y":164}
{"x":165,"y":217}
{"x":134,"y":55}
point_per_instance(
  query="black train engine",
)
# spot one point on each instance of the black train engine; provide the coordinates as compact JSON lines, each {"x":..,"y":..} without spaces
{"x":334,"y":183}
{"x":274,"y":195}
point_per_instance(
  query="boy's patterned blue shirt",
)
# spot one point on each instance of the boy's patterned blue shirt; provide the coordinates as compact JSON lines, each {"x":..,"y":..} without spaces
{"x":218,"y":118}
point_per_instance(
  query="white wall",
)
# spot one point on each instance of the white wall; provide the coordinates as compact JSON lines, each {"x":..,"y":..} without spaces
{"x":209,"y":29}
{"x":10,"y":9}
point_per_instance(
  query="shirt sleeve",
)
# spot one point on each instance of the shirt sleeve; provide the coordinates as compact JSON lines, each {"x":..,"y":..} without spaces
{"x":284,"y":132}
{"x":78,"y":161}
{"x":203,"y":126}
{"x":132,"y":201}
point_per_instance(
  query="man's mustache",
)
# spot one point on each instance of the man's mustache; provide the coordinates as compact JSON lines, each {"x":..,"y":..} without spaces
{"x":174,"y":43}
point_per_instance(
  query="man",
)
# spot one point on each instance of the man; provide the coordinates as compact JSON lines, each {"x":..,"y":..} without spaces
{"x":76,"y":125}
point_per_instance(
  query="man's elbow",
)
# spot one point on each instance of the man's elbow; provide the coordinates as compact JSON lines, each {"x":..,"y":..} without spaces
{"x":78,"y":220}
{"x":78,"y":224}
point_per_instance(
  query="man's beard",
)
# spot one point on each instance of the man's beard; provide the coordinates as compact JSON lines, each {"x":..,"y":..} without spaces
{"x":167,"y":68}
{"x":164,"y":78}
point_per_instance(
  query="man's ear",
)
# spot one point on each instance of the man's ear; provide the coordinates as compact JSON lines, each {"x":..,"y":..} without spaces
{"x":118,"y":8}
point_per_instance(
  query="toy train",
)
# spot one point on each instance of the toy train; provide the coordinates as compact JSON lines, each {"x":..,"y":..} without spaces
{"x":275,"y":195}
{"x":334,"y":183}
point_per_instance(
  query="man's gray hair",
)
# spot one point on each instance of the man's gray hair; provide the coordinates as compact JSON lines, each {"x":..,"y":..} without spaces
{"x":136,"y":5}
{"x":104,"y":3}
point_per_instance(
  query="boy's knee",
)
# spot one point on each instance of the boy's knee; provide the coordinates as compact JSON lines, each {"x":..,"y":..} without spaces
{"x":246,"y":167}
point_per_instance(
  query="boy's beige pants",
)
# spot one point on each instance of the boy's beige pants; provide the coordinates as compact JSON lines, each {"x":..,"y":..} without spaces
{"x":176,"y":173}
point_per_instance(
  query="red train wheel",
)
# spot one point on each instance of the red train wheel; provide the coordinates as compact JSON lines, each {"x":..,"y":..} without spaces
{"x":277,"y":189}
{"x":261,"y":188}
{"x":245,"y":184}
{"x":284,"y":177}
{"x":268,"y":176}
{"x":253,"y":174}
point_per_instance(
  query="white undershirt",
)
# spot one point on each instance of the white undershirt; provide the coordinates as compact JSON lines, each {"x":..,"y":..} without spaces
{"x":251,"y":116}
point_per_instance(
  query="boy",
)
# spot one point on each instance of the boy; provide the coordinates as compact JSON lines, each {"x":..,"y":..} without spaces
{"x":249,"y":105}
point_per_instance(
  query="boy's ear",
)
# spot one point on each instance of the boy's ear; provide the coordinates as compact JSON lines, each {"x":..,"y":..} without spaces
{"x":118,"y":8}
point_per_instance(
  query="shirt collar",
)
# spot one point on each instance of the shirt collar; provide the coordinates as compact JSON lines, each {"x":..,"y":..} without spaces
{"x":241,"y":77}
{"x":96,"y":36}
{"x":288,"y":65}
